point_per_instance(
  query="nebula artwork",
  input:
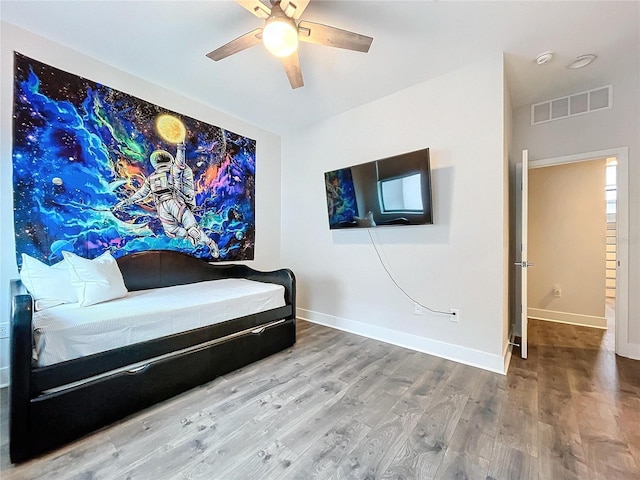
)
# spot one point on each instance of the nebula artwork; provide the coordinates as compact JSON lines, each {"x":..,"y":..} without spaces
{"x":96,"y":169}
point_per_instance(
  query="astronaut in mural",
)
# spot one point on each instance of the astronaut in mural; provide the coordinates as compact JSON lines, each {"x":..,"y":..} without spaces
{"x":171,"y":185}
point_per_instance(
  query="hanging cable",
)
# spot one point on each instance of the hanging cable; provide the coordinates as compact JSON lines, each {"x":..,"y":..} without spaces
{"x":398,"y":286}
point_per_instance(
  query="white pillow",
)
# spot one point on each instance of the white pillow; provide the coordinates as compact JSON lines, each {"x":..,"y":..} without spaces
{"x":96,"y":280}
{"x":49,"y":285}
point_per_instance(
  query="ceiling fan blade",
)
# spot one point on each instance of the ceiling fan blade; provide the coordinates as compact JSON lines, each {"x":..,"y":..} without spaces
{"x":234,"y":46}
{"x":294,"y":72}
{"x":293,"y":8}
{"x":333,"y":37}
{"x":256,"y":7}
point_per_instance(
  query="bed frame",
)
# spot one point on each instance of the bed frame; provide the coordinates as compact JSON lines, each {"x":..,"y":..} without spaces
{"x":50,"y":406}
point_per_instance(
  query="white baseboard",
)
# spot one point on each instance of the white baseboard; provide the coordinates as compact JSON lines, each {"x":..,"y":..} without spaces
{"x":468,"y":356}
{"x":4,"y":377}
{"x":566,"y":317}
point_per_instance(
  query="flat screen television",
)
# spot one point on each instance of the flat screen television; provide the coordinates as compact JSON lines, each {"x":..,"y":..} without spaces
{"x":390,"y":191}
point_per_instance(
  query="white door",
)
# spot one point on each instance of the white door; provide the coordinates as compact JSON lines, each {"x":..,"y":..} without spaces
{"x":524,"y":263}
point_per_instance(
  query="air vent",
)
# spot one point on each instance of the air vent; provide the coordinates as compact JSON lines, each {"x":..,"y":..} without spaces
{"x":576,"y":104}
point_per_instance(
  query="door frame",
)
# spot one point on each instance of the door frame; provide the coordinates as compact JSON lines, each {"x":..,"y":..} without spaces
{"x":623,"y":346}
{"x":524,"y":255}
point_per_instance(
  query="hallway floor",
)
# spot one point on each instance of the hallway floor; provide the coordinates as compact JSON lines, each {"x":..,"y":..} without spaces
{"x":581,"y":402}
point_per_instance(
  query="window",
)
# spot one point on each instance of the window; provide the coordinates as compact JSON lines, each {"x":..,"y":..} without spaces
{"x":611,"y":196}
{"x":611,"y":190}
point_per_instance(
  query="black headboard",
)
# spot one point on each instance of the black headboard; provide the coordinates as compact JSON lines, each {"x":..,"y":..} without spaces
{"x":165,"y":268}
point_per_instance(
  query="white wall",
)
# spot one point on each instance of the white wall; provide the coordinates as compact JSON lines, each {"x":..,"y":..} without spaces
{"x":597,"y":131}
{"x":456,"y":263}
{"x":267,"y":253}
{"x":509,"y":203}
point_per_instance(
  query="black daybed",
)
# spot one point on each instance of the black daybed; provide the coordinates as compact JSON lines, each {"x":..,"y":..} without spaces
{"x":52,"y":405}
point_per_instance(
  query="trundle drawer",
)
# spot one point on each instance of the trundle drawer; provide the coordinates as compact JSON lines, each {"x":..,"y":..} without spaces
{"x":80,"y":409}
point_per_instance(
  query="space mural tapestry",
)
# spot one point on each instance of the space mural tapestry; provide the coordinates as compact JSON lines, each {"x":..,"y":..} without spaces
{"x":96,"y":169}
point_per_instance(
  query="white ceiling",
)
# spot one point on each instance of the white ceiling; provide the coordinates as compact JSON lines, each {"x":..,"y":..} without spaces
{"x":165,"y":42}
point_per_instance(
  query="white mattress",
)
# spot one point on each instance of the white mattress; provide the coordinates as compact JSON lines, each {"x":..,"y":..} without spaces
{"x":68,"y":331}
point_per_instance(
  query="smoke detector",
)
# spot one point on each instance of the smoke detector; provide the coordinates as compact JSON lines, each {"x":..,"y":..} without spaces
{"x":544,"y":57}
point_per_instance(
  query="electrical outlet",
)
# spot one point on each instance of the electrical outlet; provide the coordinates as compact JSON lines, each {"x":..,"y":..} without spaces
{"x":557,"y":291}
{"x":417,"y":309}
{"x":455,"y":315}
{"x":4,"y":330}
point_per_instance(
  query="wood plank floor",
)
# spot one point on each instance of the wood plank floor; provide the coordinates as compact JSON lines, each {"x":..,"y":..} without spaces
{"x":340,"y":406}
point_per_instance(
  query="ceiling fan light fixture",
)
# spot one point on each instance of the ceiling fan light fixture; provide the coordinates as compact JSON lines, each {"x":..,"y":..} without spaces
{"x":282,"y":32}
{"x":280,"y":36}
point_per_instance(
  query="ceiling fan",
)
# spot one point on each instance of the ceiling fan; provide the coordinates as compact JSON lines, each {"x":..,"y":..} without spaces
{"x":281,"y":33}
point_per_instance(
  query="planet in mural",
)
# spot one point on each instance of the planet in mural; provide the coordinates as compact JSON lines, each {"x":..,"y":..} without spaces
{"x":171,"y":128}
